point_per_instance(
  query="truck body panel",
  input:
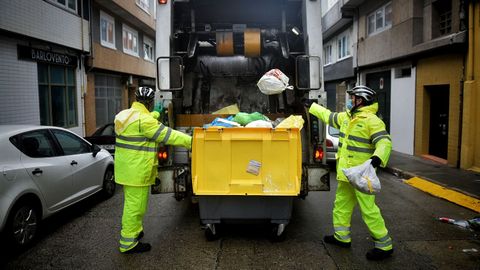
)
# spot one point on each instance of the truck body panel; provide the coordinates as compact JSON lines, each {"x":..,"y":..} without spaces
{"x":210,"y":55}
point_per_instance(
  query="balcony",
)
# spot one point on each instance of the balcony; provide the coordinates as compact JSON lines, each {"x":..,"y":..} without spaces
{"x":335,"y":20}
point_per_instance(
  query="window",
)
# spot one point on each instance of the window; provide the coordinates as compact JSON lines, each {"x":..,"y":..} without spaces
{"x":343,"y":46}
{"x":108,"y":98}
{"x":148,"y":49}
{"x":327,"y":5}
{"x":441,"y":18}
{"x":66,"y":4}
{"x":71,"y":144}
{"x":35,"y":144}
{"x":327,"y":54}
{"x":144,"y":4}
{"x":107,"y":30}
{"x":403,"y":72}
{"x":58,"y":95}
{"x":380,"y":19}
{"x":331,"y":3}
{"x":130,"y":41}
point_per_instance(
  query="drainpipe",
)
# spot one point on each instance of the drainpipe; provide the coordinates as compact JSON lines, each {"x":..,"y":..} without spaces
{"x":467,"y":77}
{"x":82,"y":62}
{"x":471,"y":50}
{"x":460,"y":120}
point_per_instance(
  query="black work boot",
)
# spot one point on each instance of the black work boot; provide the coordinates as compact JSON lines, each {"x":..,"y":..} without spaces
{"x":139,"y":248}
{"x":332,"y":240}
{"x":140,"y":235}
{"x":376,"y":254}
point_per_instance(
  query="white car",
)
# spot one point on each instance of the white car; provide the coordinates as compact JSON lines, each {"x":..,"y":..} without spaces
{"x":43,"y":170}
{"x":332,"y":143}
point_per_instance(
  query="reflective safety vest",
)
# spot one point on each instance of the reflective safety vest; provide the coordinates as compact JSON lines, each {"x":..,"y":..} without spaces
{"x":138,"y":136}
{"x":362,"y":135}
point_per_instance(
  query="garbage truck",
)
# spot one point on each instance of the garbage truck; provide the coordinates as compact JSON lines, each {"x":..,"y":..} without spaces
{"x":210,"y":55}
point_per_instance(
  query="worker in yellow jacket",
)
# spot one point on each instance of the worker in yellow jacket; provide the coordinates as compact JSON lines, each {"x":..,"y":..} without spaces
{"x":362,"y":137}
{"x":138,"y":134}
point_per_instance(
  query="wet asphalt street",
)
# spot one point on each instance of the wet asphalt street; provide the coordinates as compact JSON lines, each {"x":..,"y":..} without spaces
{"x":86,"y":235}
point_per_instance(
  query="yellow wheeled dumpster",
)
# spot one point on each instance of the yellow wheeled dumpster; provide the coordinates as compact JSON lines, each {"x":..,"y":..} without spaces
{"x":246,"y":174}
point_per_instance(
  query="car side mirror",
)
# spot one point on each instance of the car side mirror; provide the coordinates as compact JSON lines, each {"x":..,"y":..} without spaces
{"x":95,"y":150}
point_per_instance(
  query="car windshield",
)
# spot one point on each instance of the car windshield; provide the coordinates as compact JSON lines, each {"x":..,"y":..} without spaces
{"x":333,"y":131}
{"x":108,"y":131}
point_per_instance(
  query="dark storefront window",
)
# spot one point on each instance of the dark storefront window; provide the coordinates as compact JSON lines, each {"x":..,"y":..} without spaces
{"x":108,"y":98}
{"x":57,"y":93}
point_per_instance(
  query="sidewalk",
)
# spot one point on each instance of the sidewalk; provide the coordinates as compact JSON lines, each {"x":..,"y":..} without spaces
{"x":438,"y":179}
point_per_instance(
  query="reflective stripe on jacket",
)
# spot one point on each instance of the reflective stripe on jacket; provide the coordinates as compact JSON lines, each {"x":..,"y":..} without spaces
{"x":137,"y":142}
{"x":361,"y":136}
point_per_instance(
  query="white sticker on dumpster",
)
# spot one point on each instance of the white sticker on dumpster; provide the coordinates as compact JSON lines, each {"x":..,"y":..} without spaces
{"x":254,"y":167}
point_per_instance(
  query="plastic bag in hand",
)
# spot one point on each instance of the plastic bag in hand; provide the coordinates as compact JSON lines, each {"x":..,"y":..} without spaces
{"x":363,"y":178}
{"x":273,"y":82}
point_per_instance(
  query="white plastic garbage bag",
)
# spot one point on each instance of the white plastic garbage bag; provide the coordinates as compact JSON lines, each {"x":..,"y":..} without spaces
{"x":260,"y":123}
{"x":363,"y":177}
{"x":273,"y":82}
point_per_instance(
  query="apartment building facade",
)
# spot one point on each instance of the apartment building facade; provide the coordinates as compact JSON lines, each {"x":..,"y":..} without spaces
{"x":43,"y":46}
{"x":338,"y":53}
{"x":123,"y":56}
{"x":412,"y":53}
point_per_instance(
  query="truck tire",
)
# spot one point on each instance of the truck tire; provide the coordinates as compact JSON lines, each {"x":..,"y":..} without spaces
{"x":211,"y":232}
{"x":277,"y":233}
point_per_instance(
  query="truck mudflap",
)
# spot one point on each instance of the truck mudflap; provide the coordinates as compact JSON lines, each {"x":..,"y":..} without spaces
{"x":315,"y":177}
{"x":173,"y":179}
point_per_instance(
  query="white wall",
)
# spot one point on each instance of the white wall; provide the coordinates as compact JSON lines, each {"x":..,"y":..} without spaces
{"x":45,"y":21}
{"x":402,"y":113}
{"x":19,"y":102}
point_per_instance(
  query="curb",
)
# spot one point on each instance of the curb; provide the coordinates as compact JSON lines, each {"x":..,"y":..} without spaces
{"x":408,"y":175}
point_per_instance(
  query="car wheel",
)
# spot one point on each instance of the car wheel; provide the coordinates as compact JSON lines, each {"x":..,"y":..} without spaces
{"x":109,"y":184}
{"x":23,"y":225}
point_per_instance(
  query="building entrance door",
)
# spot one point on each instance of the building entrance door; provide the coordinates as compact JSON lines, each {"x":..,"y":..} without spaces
{"x":381,"y":83}
{"x":439,"y":103}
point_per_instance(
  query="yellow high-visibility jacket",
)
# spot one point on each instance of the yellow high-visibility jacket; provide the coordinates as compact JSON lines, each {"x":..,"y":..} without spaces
{"x":138,"y":135}
{"x":362,"y":135}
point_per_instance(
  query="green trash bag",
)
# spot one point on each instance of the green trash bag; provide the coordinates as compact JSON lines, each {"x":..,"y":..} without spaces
{"x":245,"y":118}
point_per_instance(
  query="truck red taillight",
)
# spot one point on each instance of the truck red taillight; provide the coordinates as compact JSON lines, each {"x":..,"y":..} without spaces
{"x":318,"y":154}
{"x":162,"y":154}
{"x":162,"y":2}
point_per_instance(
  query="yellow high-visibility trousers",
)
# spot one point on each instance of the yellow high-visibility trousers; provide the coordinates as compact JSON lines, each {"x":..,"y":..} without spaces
{"x":134,"y":208}
{"x":345,"y":200}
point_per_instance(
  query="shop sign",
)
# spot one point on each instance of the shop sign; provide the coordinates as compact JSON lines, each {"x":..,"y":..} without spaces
{"x":38,"y":55}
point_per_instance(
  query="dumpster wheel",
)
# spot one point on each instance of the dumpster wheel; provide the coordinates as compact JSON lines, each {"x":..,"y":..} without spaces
{"x":211,"y":232}
{"x":277,"y":233}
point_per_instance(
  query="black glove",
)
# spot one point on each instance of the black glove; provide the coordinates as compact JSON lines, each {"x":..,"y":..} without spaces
{"x":376,"y":161}
{"x":308,"y":102}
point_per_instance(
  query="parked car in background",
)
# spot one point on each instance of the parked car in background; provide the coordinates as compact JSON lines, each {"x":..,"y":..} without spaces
{"x":45,"y":169}
{"x":332,"y":143}
{"x":104,"y":137}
